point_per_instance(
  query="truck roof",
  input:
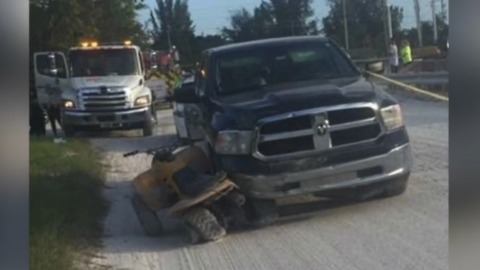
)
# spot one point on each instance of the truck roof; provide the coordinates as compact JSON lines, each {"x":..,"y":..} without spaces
{"x":99,"y":47}
{"x":266,"y":42}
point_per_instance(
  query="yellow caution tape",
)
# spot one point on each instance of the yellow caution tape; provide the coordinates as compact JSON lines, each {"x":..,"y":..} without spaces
{"x":409,"y":87}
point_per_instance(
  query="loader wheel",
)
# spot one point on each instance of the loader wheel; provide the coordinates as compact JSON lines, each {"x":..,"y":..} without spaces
{"x":202,"y":225}
{"x":148,"y":219}
{"x":261,"y":212}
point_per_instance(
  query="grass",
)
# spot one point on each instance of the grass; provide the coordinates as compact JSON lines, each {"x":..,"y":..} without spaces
{"x":66,"y":204}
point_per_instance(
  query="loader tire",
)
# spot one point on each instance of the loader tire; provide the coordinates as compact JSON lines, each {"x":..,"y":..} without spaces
{"x":203,"y":226}
{"x":148,"y":219}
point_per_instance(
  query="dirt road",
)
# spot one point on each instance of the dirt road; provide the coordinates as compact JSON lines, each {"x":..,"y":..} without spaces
{"x":405,"y":232}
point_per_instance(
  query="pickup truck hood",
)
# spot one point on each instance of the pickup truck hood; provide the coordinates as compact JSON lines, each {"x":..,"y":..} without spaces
{"x":242,"y":111}
{"x":85,"y":82}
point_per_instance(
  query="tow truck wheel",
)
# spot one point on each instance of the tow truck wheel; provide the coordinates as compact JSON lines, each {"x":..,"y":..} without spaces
{"x":69,"y":131}
{"x":202,"y":225}
{"x":148,"y":219}
{"x":148,"y":129}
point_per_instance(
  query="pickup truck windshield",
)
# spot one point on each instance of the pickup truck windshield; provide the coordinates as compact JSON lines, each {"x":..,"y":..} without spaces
{"x":104,"y":62}
{"x":255,"y":68}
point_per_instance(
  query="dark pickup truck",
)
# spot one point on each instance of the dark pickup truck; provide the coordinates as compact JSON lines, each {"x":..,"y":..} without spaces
{"x":294,"y":116}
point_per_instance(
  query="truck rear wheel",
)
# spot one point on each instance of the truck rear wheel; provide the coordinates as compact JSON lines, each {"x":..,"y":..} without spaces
{"x":148,"y":219}
{"x":202,"y":225}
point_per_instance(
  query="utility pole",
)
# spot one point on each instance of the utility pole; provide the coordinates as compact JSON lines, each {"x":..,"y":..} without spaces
{"x":442,"y":4}
{"x":389,"y":20}
{"x":434,"y":19}
{"x":345,"y":25}
{"x":168,"y":38}
{"x":419,"y":23}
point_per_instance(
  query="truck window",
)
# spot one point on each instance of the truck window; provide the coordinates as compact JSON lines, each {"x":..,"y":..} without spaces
{"x":43,"y":65}
{"x":140,"y":58}
{"x":200,"y":79}
{"x":254,"y":68}
{"x":104,"y":62}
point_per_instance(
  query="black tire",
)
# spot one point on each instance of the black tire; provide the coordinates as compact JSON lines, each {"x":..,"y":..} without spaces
{"x":69,"y":131}
{"x":395,"y":187}
{"x":262,"y":212}
{"x":204,"y":224}
{"x":148,"y":219}
{"x":148,"y":128}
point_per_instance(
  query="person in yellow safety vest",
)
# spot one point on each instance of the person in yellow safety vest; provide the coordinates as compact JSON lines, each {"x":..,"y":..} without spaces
{"x":406,"y":53}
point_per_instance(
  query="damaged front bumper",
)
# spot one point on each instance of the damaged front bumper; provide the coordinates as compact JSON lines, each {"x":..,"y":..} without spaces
{"x":393,"y":164}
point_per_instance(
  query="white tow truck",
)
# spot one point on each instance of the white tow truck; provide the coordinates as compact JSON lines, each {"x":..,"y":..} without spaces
{"x":100,"y":87}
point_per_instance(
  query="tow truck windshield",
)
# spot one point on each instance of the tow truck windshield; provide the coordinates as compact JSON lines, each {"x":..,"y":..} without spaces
{"x":104,"y":62}
{"x":255,"y":68}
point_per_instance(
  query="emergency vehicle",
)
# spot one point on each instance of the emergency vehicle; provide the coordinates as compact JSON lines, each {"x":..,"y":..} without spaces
{"x":99,"y":87}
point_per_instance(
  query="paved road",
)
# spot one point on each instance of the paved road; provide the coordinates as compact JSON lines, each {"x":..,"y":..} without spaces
{"x":405,"y":232}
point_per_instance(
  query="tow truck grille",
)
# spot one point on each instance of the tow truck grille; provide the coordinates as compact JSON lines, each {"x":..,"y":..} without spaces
{"x":103,"y":98}
{"x":317,"y":130}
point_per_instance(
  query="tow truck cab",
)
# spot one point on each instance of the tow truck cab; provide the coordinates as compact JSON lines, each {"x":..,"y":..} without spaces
{"x":100,"y":87}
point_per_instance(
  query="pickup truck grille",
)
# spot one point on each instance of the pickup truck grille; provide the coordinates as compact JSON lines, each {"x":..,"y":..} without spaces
{"x":317,"y":130}
{"x":103,"y":99}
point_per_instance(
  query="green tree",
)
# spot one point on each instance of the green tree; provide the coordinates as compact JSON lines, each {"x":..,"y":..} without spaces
{"x":427,"y":33}
{"x":293,"y":17}
{"x":57,"y":24}
{"x":60,"y":24}
{"x":173,"y":26}
{"x":366,"y":21}
{"x":117,"y":21}
{"x":274,"y":18}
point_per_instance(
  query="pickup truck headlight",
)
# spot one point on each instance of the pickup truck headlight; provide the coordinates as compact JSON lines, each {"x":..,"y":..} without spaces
{"x":392,"y":117}
{"x":233,"y":142}
{"x":142,"y":101}
{"x":68,"y":104}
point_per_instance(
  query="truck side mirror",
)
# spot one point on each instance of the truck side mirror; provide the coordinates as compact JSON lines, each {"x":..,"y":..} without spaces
{"x":185,"y":94}
{"x":53,"y":71}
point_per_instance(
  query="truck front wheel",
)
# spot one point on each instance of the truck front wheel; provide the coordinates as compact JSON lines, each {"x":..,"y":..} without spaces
{"x":148,"y":128}
{"x":69,"y":131}
{"x":262,"y":212}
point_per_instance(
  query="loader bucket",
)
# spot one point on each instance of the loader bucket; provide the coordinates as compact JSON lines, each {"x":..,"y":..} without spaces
{"x":210,"y":195}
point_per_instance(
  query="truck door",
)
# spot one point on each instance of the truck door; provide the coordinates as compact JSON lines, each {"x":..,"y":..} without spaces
{"x":51,"y":76}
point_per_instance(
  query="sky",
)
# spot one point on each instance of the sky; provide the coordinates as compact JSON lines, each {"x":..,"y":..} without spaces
{"x":211,"y":15}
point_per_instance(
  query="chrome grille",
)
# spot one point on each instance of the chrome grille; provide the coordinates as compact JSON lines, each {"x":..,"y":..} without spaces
{"x":103,"y":98}
{"x":317,"y":130}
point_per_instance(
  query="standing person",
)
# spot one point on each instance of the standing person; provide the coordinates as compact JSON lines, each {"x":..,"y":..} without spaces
{"x":406,"y":53}
{"x":393,"y":56}
{"x":37,"y":117}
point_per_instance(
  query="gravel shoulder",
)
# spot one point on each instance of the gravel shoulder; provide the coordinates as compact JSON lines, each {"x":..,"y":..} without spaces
{"x":405,"y":232}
